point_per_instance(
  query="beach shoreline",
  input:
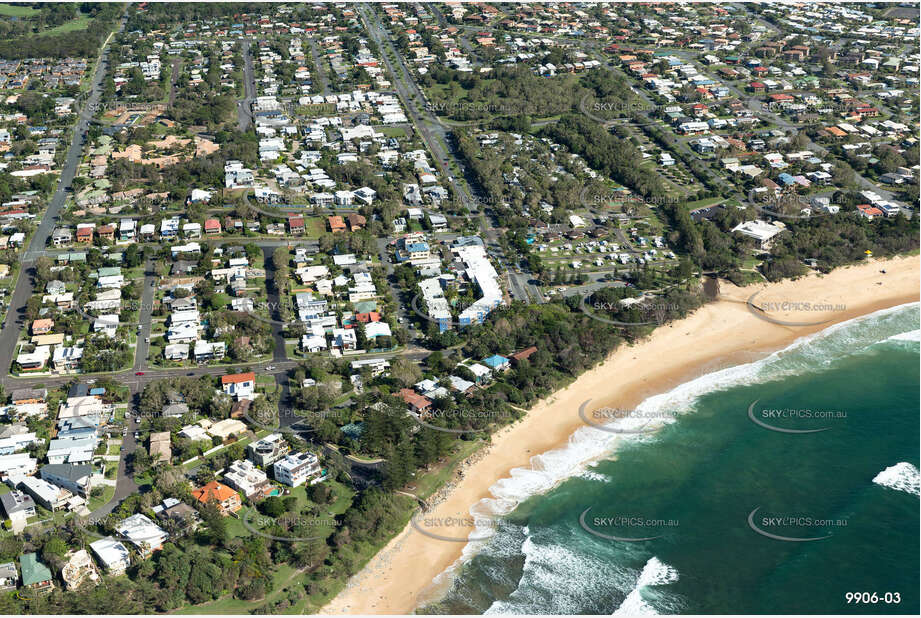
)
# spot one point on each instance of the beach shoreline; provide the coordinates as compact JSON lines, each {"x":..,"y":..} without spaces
{"x":721,"y":334}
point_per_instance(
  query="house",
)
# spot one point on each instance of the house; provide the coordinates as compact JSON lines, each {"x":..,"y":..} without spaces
{"x":243,"y":476}
{"x":295,"y":470}
{"x":74,"y":478}
{"x":61,"y":236}
{"x":344,"y":339}
{"x":9,"y":576}
{"x":461,"y":385}
{"x":336,"y":224}
{"x":17,"y":505}
{"x":439,"y":223}
{"x":174,"y":510}
{"x":78,"y":570}
{"x":112,"y":555}
{"x":67,"y":358}
{"x":373,"y":330}
{"x":42,"y":326}
{"x":17,"y":464}
{"x":356,"y":221}
{"x":191,"y":230}
{"x":212,"y":227}
{"x":177,"y":409}
{"x":176,"y":351}
{"x":227,"y":500}
{"x":869,"y":212}
{"x":209,"y":350}
{"x":496,"y":363}
{"x":762,"y":231}
{"x":296,"y":224}
{"x":268,"y":450}
{"x":239,"y":385}
{"x":140,"y":531}
{"x":313,"y":343}
{"x":524,"y":354}
{"x":159,"y":446}
{"x":35,"y":575}
{"x":227,"y":427}
{"x":126,"y":229}
{"x":44,"y":493}
{"x":106,"y":232}
{"x":84,"y":233}
{"x":419,"y":404}
{"x":28,"y":395}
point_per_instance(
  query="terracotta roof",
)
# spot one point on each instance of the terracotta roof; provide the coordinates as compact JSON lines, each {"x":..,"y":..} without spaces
{"x":524,"y":353}
{"x":213,"y":491}
{"x":414,"y":399}
{"x":237,"y":378}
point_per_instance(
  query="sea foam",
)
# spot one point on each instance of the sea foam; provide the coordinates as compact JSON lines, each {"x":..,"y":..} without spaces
{"x":902,"y":476}
{"x":655,"y":573}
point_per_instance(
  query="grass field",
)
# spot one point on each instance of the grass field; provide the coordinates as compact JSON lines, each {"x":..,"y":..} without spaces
{"x":8,"y":10}
{"x":79,"y":23}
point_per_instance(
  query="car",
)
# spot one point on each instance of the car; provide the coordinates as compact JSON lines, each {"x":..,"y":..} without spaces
{"x":191,"y":373}
{"x":139,"y":373}
{"x":270,"y":367}
{"x":146,"y":339}
{"x":140,"y":327}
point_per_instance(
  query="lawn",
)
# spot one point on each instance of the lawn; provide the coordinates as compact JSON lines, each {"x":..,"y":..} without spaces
{"x":8,"y":10}
{"x":399,"y":132}
{"x":108,"y":493}
{"x":710,"y":201}
{"x":315,"y":227}
{"x":79,"y":23}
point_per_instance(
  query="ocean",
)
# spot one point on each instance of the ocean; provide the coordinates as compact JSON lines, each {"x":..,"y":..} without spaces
{"x":788,"y":485}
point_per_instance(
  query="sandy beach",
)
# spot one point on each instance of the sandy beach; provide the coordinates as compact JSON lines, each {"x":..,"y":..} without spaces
{"x":720,"y":334}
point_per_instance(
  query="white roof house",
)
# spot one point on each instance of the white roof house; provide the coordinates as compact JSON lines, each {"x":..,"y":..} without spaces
{"x":112,"y":554}
{"x":141,"y":532}
{"x":377,"y":329}
{"x":762,"y":231}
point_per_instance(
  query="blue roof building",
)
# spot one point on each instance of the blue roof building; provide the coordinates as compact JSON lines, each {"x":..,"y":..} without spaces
{"x":495,"y":362}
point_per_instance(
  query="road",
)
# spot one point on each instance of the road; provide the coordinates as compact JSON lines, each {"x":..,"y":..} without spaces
{"x":15,"y":318}
{"x":319,"y":67}
{"x":437,"y":138}
{"x":245,"y":105}
{"x":174,"y":80}
{"x":279,"y":354}
{"x":144,"y":314}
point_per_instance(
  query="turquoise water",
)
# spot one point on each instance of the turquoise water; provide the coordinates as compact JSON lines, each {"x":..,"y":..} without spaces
{"x":695,"y":482}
